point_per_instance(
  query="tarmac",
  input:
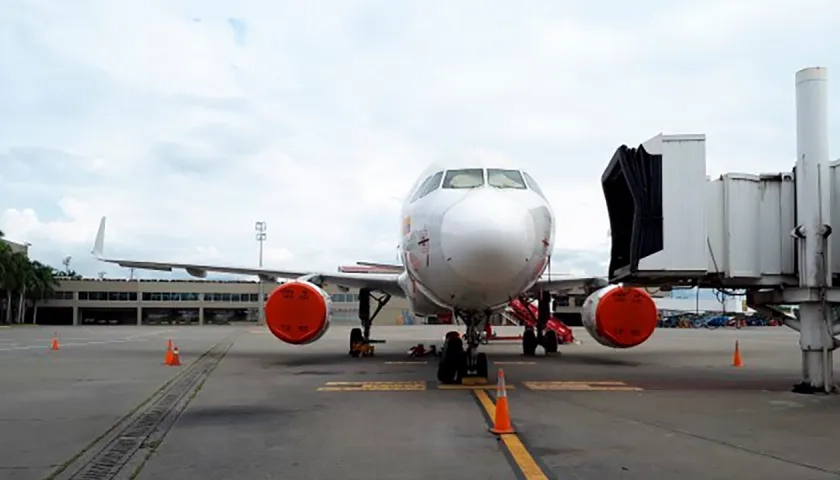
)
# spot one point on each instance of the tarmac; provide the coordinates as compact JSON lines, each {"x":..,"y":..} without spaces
{"x":244,"y":405}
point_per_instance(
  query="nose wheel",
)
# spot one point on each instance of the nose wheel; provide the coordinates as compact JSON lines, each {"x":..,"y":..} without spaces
{"x":462,"y":366}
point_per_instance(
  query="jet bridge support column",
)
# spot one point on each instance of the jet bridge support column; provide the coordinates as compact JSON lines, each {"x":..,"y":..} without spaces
{"x":813,"y":213}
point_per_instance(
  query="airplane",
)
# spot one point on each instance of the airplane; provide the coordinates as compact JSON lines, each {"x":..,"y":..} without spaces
{"x":474,"y":236}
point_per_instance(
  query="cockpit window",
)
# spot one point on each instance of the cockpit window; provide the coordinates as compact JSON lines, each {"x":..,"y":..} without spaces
{"x":533,"y":184}
{"x":500,"y":178}
{"x":431,"y":185}
{"x":466,"y":178}
{"x":428,"y":186}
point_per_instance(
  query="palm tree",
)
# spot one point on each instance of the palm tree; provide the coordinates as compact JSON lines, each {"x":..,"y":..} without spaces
{"x":7,"y":278}
{"x":30,"y":280}
{"x":25,"y":277}
{"x":42,"y":285}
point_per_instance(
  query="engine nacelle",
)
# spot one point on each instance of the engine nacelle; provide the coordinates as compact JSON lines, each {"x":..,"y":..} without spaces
{"x":620,"y":317}
{"x":298,"y":312}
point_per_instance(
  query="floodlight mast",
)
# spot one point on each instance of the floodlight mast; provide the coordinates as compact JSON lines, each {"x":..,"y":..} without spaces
{"x":260,"y":228}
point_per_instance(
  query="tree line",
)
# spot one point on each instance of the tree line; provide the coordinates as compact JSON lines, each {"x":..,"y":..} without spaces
{"x":24,"y":283}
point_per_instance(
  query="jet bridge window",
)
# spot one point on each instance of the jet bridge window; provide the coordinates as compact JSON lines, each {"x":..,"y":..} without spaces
{"x":499,"y":178}
{"x":428,"y":186}
{"x":465,"y":178}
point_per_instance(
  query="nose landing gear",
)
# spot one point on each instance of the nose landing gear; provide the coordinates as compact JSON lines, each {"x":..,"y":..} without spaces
{"x":459,"y":365}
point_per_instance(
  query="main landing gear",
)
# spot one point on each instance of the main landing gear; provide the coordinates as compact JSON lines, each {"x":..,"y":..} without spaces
{"x":539,"y":336}
{"x":464,"y":365}
{"x":361,"y":345}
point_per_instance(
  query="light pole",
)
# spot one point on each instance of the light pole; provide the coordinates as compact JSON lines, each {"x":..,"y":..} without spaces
{"x":260,"y":227}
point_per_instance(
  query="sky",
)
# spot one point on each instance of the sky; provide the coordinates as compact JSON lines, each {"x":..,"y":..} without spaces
{"x":186,"y":122}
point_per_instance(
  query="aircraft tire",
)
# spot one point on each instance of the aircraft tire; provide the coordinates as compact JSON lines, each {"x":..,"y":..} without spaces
{"x":451,"y":361}
{"x":529,"y":342}
{"x":550,"y":341}
{"x":355,"y":337}
{"x":483,"y":365}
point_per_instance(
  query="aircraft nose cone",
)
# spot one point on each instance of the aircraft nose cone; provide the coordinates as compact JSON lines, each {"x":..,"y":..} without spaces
{"x":487,"y":239}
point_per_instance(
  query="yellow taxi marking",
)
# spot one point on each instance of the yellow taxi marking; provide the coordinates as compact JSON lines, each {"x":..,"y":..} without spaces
{"x":523,"y":458}
{"x":373,"y":387}
{"x":443,"y":386}
{"x":514,"y":363}
{"x":580,"y":386}
{"x":474,"y":381}
{"x":406,"y":363}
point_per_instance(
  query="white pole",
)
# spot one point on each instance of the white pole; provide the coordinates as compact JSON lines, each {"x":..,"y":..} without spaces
{"x":260,"y":227}
{"x":813,"y":190}
{"x":813,"y":211}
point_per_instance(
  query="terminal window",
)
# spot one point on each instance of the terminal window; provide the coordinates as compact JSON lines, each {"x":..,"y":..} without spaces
{"x":344,"y":297}
{"x":108,"y":296}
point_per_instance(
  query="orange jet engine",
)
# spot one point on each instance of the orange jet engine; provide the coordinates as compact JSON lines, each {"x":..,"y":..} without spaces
{"x":620,"y":317}
{"x":298,"y":312}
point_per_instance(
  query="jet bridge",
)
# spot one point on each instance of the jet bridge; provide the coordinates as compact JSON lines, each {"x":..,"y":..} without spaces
{"x":768,"y":235}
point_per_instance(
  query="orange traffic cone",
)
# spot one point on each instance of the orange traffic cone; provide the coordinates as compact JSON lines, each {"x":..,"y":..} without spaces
{"x":501,"y":424}
{"x":736,"y":358}
{"x":54,"y":345}
{"x":176,"y":358}
{"x":168,"y":358}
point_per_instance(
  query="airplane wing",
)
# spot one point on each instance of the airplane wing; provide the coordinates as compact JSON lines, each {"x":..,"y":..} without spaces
{"x":383,"y":282}
{"x":383,"y":266}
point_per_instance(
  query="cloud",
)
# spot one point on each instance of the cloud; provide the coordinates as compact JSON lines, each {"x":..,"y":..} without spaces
{"x":186,"y":123}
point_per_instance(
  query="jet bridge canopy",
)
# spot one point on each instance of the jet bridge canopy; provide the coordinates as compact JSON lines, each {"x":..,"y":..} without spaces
{"x":632,"y":185}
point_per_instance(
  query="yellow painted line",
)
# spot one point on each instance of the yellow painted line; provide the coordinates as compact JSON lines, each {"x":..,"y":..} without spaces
{"x":514,"y":363}
{"x":375,"y":383}
{"x":523,"y":458}
{"x":474,"y":381}
{"x":579,"y":386}
{"x":443,"y":386}
{"x":406,"y":363}
{"x":373,"y":387}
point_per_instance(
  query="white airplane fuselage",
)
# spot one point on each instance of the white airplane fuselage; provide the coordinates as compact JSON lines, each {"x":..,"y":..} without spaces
{"x":473,"y":237}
